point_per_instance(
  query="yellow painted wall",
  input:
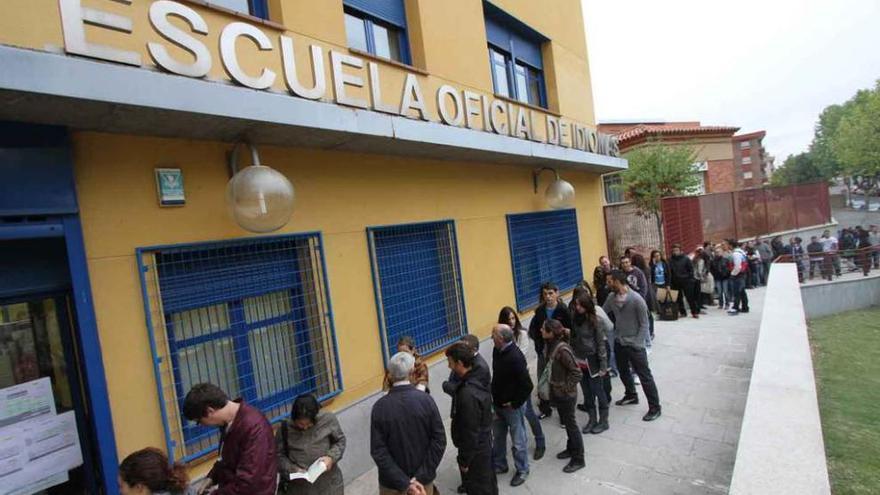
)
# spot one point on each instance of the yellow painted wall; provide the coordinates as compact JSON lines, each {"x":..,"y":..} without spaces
{"x":339,"y":194}
{"x":448,"y":40}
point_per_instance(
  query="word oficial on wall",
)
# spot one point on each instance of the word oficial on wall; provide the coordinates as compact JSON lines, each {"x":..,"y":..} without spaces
{"x":455,"y":107}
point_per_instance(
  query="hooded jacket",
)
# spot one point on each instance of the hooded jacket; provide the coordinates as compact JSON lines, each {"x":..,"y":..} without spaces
{"x":471,"y":419}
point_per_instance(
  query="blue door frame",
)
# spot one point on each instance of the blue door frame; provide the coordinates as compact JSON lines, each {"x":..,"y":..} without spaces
{"x":38,"y":165}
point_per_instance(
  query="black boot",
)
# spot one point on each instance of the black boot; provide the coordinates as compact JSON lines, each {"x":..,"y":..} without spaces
{"x":574,"y":464}
{"x":592,"y":422}
{"x":602,"y":425}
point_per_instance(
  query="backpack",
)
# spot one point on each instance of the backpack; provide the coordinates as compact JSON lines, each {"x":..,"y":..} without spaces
{"x":544,"y":379}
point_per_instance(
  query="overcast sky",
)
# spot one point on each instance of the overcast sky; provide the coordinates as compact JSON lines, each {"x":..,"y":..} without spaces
{"x":768,"y":64}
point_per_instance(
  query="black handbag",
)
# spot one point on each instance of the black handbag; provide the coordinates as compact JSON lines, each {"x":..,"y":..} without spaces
{"x":667,"y":308}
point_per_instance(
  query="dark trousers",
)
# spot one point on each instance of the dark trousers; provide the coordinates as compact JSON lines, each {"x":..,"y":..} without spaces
{"x":575,"y":445}
{"x":480,"y":478}
{"x":638,"y":359}
{"x":738,"y":290}
{"x":594,"y":388}
{"x":686,"y":291}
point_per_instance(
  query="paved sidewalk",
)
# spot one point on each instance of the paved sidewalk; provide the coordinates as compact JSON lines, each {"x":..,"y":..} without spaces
{"x":702,"y":369}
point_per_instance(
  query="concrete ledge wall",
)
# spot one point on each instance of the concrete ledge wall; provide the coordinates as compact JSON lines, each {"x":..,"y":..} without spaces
{"x":837,"y":296}
{"x":781,"y":450}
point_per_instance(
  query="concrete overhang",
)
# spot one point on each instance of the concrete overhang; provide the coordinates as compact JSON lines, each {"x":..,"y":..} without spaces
{"x":84,"y":94}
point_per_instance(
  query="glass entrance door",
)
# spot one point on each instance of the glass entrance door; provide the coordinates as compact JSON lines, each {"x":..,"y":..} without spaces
{"x":36,"y":342}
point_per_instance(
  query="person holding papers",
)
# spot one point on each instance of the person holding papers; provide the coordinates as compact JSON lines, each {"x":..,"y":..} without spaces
{"x":310,"y":444}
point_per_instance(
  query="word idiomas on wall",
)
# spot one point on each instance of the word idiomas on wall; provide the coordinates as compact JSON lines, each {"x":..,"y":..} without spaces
{"x":455,"y":107}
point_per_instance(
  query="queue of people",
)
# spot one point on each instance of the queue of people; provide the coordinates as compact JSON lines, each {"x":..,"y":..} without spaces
{"x":579,"y":345}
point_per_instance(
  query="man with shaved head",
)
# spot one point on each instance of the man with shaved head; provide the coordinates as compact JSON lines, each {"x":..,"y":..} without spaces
{"x":511,"y":386}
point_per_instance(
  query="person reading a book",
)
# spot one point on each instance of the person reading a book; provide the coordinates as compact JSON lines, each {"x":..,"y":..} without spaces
{"x":589,"y":334}
{"x":310,"y":444}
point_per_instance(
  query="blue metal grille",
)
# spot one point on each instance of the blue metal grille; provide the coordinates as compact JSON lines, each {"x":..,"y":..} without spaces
{"x":544,"y":247}
{"x":418,"y":284}
{"x":251,"y":316}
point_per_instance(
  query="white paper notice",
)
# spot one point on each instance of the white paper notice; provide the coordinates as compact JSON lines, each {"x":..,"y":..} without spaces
{"x":37,"y":447}
{"x":28,"y":400}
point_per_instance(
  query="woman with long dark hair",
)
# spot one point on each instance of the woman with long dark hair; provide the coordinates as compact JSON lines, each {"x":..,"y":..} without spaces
{"x":148,"y":471}
{"x":589,"y":342}
{"x":508,"y":317}
{"x":563,"y":376}
{"x":308,"y":436}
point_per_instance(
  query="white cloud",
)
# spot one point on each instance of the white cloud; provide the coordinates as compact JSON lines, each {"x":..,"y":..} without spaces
{"x":771,"y":64}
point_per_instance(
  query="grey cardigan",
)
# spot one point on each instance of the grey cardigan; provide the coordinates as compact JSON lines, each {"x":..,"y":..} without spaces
{"x":325,"y":438}
{"x":630,"y":319}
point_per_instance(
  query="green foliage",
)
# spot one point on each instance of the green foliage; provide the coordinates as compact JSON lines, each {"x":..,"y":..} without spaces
{"x":846,"y":142}
{"x":799,"y":169}
{"x":658,"y":171}
{"x":856,"y":141}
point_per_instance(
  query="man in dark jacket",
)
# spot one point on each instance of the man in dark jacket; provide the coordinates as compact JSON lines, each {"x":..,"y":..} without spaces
{"x":472,"y":424}
{"x":684,"y":281}
{"x":550,"y":308}
{"x":817,"y":258}
{"x":247,"y":462}
{"x":407,"y":438}
{"x":511,"y":386}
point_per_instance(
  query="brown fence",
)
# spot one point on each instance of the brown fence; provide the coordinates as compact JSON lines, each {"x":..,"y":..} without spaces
{"x":624,"y":228}
{"x":689,"y":220}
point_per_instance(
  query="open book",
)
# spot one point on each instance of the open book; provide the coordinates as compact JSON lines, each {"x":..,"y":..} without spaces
{"x":315,"y":470}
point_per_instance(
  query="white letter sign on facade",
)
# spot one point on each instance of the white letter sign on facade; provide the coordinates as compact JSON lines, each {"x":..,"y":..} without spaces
{"x":352,"y":85}
{"x":444,"y":94}
{"x":73,"y":19}
{"x":290,"y":76}
{"x":340,"y":79}
{"x":159,"y":13}
{"x":228,"y":55}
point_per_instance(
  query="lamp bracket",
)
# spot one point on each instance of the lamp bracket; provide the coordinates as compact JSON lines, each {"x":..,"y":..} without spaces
{"x":232,"y":162}
{"x":537,"y":172}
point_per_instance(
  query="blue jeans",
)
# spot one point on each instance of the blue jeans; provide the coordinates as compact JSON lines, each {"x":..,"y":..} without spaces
{"x":535,"y":424}
{"x":513,"y":420}
{"x":722,"y":287}
{"x":737,"y":290}
{"x":611,"y":361}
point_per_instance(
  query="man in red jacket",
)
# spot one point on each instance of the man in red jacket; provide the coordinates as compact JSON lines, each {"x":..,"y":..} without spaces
{"x":247,"y":464}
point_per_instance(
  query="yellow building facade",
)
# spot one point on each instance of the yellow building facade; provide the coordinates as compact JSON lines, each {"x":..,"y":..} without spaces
{"x":433,"y":127}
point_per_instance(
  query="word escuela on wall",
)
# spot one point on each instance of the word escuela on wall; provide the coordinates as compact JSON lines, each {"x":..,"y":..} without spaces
{"x":460,"y":108}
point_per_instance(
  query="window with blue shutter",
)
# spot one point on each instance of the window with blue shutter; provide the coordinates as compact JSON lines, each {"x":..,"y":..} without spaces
{"x":377,"y":27}
{"x":250,"y":316}
{"x":544,"y":247}
{"x":417,"y":282}
{"x":515,"y":58}
{"x":257,"y":8}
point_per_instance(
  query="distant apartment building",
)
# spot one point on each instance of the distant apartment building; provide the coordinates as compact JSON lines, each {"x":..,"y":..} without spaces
{"x":753,"y":166}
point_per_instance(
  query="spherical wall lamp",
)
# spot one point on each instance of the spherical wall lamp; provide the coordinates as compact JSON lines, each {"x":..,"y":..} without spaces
{"x":259,"y":198}
{"x":559,"y":194}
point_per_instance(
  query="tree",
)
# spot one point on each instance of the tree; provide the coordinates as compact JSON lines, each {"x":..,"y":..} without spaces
{"x":798,"y":169}
{"x":856,"y":141}
{"x":658,"y":171}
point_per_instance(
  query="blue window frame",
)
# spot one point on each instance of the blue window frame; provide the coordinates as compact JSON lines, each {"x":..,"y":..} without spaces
{"x":515,"y":57}
{"x":378,"y":27}
{"x":251,"y":316}
{"x":544,"y":247}
{"x":417,"y":283}
{"x":256,"y":8}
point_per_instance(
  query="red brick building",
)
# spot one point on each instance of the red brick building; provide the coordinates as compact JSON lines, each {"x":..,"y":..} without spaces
{"x":752,"y":165}
{"x":714,"y":148}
